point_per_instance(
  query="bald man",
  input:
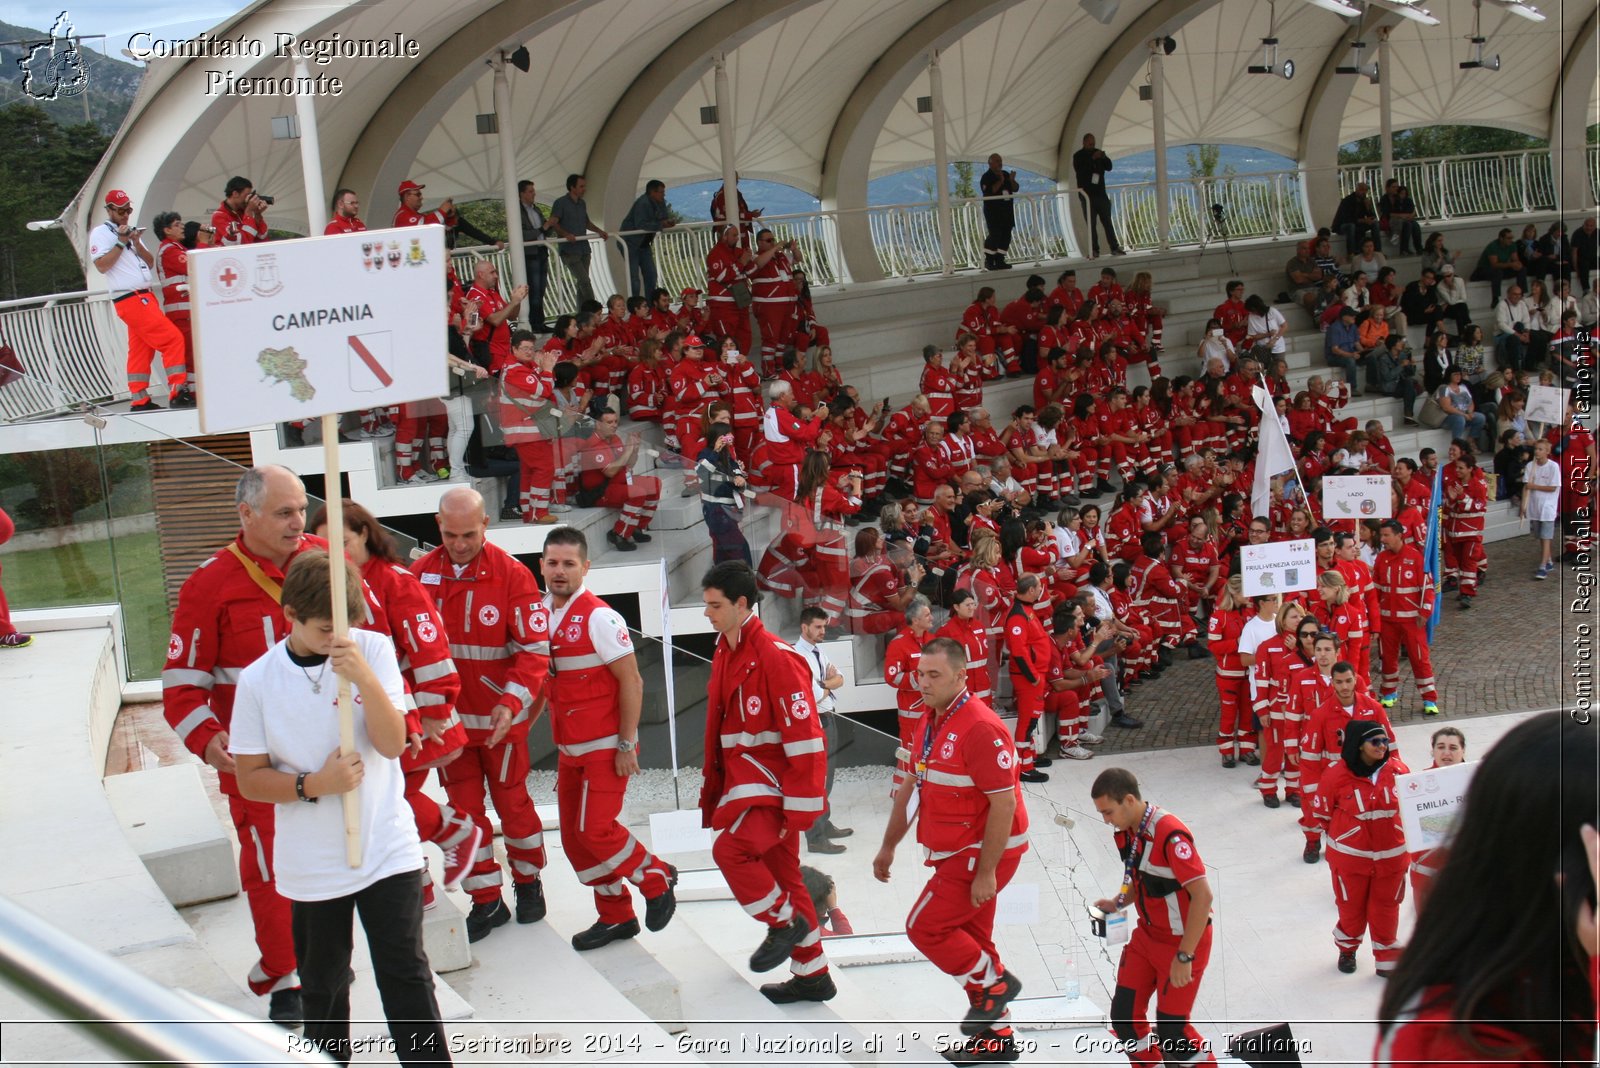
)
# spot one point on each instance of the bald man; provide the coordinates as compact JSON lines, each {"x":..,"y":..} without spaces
{"x":500,"y":642}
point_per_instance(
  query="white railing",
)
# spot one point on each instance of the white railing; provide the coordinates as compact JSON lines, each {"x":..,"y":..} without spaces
{"x":1267,"y":204}
{"x":1459,"y":187}
{"x":73,"y":348}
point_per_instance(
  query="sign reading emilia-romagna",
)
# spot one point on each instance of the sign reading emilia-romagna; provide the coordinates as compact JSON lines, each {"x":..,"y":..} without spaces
{"x":291,"y":330}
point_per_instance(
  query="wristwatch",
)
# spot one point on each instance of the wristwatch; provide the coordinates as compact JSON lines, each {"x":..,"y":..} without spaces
{"x":1185,"y":958}
{"x":627,"y":745}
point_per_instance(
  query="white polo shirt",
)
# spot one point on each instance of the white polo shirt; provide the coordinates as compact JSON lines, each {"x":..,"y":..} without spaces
{"x":128,"y":272}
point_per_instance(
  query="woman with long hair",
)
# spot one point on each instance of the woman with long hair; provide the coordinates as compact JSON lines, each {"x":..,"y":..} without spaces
{"x":1235,"y":735}
{"x":432,"y":684}
{"x":1502,"y":963}
{"x":722,"y":484}
{"x":827,"y":503}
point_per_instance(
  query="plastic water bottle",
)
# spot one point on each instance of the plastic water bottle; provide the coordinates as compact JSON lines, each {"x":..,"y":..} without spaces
{"x":1071,"y":989}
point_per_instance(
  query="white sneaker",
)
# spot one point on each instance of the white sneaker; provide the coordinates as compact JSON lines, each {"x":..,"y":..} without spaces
{"x":1089,"y":739}
{"x":561,"y":507}
{"x":1077,"y":752}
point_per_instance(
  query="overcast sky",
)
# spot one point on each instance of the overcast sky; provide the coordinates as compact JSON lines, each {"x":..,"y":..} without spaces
{"x":119,"y":19}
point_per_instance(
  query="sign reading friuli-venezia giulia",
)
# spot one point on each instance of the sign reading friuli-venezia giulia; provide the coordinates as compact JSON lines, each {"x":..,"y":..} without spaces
{"x":290,"y":330}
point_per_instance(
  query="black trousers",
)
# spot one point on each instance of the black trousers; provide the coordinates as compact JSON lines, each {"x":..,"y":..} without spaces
{"x":1098,"y":210}
{"x":727,"y":540}
{"x":999,"y":219}
{"x":391,"y":915}
{"x":830,"y":731}
{"x":538,"y":267}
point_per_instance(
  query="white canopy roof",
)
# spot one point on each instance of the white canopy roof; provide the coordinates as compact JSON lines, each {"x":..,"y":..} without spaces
{"x":824,"y":92}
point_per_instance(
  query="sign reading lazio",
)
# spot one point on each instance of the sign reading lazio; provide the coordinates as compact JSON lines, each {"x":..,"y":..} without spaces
{"x":1356,"y":497}
{"x":1278,"y":567}
{"x":290,"y":330}
{"x":1430,"y":803}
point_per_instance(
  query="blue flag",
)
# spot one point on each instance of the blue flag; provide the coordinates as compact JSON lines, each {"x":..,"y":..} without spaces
{"x":1430,"y":548}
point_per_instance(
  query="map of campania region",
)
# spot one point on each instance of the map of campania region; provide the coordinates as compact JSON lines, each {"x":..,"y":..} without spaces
{"x":285,"y":365}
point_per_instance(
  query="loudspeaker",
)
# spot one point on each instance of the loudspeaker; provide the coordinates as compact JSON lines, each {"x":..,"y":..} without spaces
{"x":1265,"y":1046}
{"x":1102,"y":10}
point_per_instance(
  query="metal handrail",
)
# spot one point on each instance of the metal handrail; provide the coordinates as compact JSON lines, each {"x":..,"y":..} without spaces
{"x":129,"y":1014}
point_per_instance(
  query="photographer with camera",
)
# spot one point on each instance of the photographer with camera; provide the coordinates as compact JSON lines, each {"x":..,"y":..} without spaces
{"x":1089,"y":167}
{"x":241,"y":217}
{"x":120,"y":255}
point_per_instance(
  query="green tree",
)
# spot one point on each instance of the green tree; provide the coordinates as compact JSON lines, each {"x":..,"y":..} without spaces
{"x":1203,"y":160}
{"x":42,"y":166}
{"x":1431,"y":142}
{"x":965,"y":187}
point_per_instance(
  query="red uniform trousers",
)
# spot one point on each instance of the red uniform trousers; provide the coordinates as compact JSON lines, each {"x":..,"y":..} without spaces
{"x":538,"y":459}
{"x":776,"y":321}
{"x":637,"y":500}
{"x":1411,"y":634}
{"x":1368,"y":896}
{"x":254,"y":822}
{"x":440,"y":824}
{"x":504,"y":770}
{"x":1071,"y":712}
{"x":185,"y":329}
{"x":1029,"y":697}
{"x":150,"y":332}
{"x":763,"y":871}
{"x":419,"y":437}
{"x":1463,"y":558}
{"x":883,"y":623}
{"x":602,"y":851}
{"x":729,"y":320}
{"x":1143,"y":971}
{"x":1234,"y":729}
{"x":818,"y":336}
{"x":1274,"y":762}
{"x":950,"y":931}
{"x":828,"y":576}
{"x":1006,"y":349}
{"x":691,"y":439}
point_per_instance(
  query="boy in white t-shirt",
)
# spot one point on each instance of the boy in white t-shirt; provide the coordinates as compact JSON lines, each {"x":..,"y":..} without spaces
{"x":1541,"y":503}
{"x":285,"y":742}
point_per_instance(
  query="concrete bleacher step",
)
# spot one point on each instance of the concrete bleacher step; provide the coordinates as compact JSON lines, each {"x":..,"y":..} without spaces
{"x":874,"y":1037}
{"x":170,"y":824}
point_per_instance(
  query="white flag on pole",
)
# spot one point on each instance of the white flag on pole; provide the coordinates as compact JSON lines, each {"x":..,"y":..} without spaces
{"x":1273,"y":455}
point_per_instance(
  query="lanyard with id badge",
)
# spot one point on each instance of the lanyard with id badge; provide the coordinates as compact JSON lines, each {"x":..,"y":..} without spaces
{"x":921,"y":767}
{"x":1116,"y":927}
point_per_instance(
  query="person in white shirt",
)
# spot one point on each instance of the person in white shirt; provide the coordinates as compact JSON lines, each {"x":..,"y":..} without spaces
{"x":1541,"y":503}
{"x":285,"y":742}
{"x":1512,"y":333}
{"x":1258,"y":630}
{"x":117,"y":250}
{"x":1265,"y":329}
{"x":825,"y":679}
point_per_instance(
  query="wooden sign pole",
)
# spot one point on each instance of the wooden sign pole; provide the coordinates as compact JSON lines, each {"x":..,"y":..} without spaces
{"x":337,"y":564}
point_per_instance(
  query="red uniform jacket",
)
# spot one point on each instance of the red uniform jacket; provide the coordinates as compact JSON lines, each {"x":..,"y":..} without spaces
{"x":174,"y":262}
{"x":499,"y":636}
{"x":237,"y":227}
{"x":1405,"y":593}
{"x":764,"y":745}
{"x":423,"y":649}
{"x":1168,"y":863}
{"x":961,"y":759}
{"x":584,"y":714}
{"x":900,"y":670}
{"x":1322,"y":737}
{"x":1028,"y":646}
{"x":1362,"y":819}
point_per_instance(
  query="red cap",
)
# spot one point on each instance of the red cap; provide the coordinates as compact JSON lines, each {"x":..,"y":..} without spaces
{"x":691,"y":290}
{"x":408,"y":185}
{"x":118,"y":199}
{"x":693,"y":342}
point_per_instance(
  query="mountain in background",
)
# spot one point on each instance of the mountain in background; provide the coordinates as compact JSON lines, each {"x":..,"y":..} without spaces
{"x":916,"y":186}
{"x":111,"y":83}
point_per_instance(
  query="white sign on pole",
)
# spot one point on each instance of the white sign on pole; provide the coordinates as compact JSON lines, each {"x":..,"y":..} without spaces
{"x":1430,"y":802}
{"x":290,"y":330}
{"x":1356,"y":497}
{"x":1546,"y":404}
{"x":1278,"y":567}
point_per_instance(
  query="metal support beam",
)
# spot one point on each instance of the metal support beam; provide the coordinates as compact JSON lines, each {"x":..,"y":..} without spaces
{"x":305,"y":109}
{"x":723,"y":98}
{"x":1158,"y":105}
{"x":1385,"y":105}
{"x":508,"y":178}
{"x":941,"y":163}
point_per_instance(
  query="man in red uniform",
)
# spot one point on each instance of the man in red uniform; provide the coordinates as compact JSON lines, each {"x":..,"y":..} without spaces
{"x":982,"y":321}
{"x":787,"y":438}
{"x":937,"y":384}
{"x":773,"y":293}
{"x":765,"y":780}
{"x":227,"y":616}
{"x":527,"y":418}
{"x":1414,"y":488}
{"x":172,"y":268}
{"x":500,"y":642}
{"x":608,"y":465}
{"x":1029,"y":647}
{"x":1322,"y":740}
{"x":346,"y":214}
{"x":692,"y":383}
{"x":1164,"y":877}
{"x":492,"y":340}
{"x":900,"y":666}
{"x":241,"y":217}
{"x":973,"y":827}
{"x":1466,"y":500}
{"x":410,"y":212}
{"x":1405,"y":600}
{"x":596,"y":695}
{"x":118,"y":253}
{"x":1233,"y":315}
{"x":726,"y":266}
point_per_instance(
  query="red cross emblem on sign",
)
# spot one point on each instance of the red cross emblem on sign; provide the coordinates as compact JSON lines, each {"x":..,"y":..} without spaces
{"x":228,"y":277}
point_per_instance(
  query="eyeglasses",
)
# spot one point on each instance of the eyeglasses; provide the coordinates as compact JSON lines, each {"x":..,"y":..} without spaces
{"x":119,"y":211}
